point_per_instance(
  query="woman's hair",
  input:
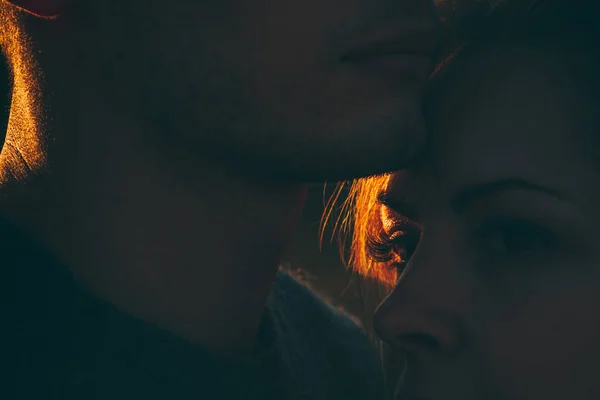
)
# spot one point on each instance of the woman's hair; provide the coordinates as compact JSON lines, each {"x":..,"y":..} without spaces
{"x":470,"y":25}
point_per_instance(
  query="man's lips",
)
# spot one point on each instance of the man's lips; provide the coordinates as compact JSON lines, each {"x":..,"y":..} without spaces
{"x":405,"y":54}
{"x":415,"y":42}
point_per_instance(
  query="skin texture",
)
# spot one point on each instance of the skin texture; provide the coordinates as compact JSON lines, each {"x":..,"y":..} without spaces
{"x":273,"y":93}
{"x":499,"y":299}
{"x":161,"y":148}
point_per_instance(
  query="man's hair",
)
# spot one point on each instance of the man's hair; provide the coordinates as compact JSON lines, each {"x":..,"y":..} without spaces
{"x":4,"y":98}
{"x":20,"y":54}
{"x":7,"y":37}
{"x":9,"y":28}
{"x":5,"y":12}
{"x":17,"y":28}
{"x":470,"y":26}
{"x":15,"y":44}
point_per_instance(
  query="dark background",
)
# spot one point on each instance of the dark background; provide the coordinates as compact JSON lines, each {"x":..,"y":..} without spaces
{"x":321,"y":269}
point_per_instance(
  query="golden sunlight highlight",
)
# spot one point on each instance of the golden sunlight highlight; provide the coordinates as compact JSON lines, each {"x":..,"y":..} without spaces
{"x":357,"y":218}
{"x":22,"y":153}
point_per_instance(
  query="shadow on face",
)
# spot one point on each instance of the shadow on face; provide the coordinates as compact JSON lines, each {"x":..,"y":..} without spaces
{"x":294,"y":88}
{"x":497,"y":298}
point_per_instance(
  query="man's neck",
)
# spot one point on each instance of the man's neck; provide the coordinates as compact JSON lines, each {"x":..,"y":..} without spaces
{"x":196,"y":258}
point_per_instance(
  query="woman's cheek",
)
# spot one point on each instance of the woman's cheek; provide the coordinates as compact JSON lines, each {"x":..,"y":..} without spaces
{"x":545,"y":342}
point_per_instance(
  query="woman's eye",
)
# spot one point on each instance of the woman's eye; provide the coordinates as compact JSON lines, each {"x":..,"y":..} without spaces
{"x":507,"y":237}
{"x":404,"y":244}
{"x":394,"y":249}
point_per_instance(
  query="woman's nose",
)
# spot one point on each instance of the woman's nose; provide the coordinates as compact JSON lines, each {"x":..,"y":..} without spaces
{"x":405,"y":325}
{"x":427,"y":310}
{"x":423,"y":313}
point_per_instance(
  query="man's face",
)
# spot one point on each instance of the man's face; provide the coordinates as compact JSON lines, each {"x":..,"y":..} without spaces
{"x":310,"y":89}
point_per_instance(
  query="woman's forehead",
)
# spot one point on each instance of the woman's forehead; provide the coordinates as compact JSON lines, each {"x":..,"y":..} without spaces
{"x":513,"y":113}
{"x":506,"y":111}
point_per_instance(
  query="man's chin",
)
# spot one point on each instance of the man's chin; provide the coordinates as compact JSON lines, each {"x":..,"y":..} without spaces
{"x":332,"y":154}
{"x":355,"y":154}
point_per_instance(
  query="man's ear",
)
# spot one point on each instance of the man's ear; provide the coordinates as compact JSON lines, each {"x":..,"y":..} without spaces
{"x":40,"y":8}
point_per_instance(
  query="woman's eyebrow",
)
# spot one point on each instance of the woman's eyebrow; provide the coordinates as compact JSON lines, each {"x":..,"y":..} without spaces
{"x":400,"y":206}
{"x":467,"y":194}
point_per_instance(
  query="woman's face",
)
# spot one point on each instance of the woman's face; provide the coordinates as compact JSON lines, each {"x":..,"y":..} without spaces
{"x":500,"y":297}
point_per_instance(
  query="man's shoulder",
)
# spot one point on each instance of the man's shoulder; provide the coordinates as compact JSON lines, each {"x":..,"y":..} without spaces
{"x":299,"y":302}
{"x":301,"y":311}
{"x":325,"y":340}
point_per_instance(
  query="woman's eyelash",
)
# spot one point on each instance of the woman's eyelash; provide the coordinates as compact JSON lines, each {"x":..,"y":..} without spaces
{"x":380,"y":247}
{"x":393,"y":249}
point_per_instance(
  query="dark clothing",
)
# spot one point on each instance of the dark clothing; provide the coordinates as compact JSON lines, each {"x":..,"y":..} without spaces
{"x":68,"y":344}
